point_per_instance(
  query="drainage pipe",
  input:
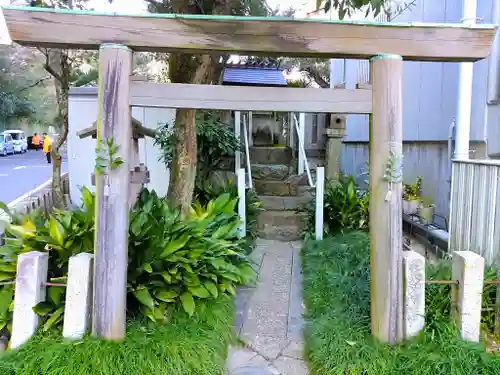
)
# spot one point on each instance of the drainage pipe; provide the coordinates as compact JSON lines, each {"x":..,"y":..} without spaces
{"x":451,"y":130}
{"x":494,"y":64}
{"x":464,"y":104}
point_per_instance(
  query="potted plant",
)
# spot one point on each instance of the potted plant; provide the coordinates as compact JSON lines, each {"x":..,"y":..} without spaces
{"x":411,"y":197}
{"x":426,"y":210}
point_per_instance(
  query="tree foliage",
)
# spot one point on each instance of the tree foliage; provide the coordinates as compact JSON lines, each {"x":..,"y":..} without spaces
{"x":18,"y":79}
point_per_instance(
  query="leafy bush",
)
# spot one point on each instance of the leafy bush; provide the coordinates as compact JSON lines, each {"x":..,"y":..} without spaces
{"x":173,"y":260}
{"x":62,"y":234}
{"x":338,"y":339}
{"x":205,"y":192}
{"x":215,"y":140}
{"x":345,"y":207}
{"x":413,"y":191}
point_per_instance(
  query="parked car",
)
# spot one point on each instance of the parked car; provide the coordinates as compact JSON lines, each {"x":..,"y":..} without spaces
{"x":19,"y":140}
{"x":6,"y":144}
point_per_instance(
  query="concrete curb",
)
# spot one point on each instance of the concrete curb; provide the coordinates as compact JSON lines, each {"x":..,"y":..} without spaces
{"x":26,"y":198}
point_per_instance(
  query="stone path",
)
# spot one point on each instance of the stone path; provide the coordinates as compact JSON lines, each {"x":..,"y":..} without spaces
{"x":269,"y":315}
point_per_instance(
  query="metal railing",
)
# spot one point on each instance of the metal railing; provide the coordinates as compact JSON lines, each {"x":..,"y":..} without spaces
{"x":246,"y":136}
{"x":241,"y":173}
{"x":319,"y":185}
{"x":474,"y":217}
{"x":299,"y":126}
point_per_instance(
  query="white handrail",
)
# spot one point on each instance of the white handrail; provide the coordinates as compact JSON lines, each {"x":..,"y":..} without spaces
{"x":303,"y":151}
{"x":247,"y":150}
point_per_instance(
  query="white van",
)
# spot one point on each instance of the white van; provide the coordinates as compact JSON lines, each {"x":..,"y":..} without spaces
{"x":20,"y":141}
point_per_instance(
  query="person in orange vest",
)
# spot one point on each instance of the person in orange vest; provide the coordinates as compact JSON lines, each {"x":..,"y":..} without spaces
{"x":47,"y":147}
{"x":35,"y":141}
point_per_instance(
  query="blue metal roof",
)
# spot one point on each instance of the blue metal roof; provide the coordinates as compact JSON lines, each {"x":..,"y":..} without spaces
{"x":258,"y":76}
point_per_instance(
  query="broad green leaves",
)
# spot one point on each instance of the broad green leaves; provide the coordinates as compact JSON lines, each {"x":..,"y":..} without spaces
{"x":174,"y":260}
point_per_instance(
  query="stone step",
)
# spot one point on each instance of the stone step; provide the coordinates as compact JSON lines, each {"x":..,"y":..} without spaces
{"x":281,"y":225}
{"x":270,"y":155}
{"x":269,"y":202}
{"x":278,"y":172}
{"x":276,"y":188}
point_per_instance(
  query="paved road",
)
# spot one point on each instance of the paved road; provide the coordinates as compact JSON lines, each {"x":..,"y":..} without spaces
{"x":23,"y":172}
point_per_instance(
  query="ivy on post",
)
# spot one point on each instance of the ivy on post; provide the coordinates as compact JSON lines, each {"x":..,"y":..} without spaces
{"x":114,"y":133}
{"x":386,"y":232}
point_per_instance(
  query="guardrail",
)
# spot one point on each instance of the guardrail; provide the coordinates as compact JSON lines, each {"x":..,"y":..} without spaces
{"x":38,"y":198}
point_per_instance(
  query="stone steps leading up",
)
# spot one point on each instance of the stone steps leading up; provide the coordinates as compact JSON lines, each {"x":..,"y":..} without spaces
{"x":270,"y":155}
{"x":283,"y":194}
{"x":274,"y":203}
{"x":276,"y":172}
{"x":281,"y":225}
{"x":276,"y":188}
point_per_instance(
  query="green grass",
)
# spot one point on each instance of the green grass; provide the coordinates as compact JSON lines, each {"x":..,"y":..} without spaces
{"x":183,"y":346}
{"x":338,"y":341}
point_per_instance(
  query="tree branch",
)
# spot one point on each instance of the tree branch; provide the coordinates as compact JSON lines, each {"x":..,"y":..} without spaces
{"x":313,"y":74}
{"x":35,"y":83}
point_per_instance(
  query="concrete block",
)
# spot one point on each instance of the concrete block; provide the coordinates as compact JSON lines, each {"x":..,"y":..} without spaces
{"x":78,"y":311}
{"x":413,"y":293}
{"x":468,"y":270}
{"x":31,"y":272}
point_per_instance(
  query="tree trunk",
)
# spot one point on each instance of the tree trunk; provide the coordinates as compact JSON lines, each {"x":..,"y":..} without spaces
{"x":59,"y":66}
{"x":195,"y":70}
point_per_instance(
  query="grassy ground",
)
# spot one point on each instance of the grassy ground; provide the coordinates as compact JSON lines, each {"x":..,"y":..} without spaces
{"x":336,"y":283}
{"x":184,"y":346}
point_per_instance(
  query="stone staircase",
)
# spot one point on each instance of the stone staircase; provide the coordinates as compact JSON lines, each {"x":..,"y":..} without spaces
{"x":283,"y":194}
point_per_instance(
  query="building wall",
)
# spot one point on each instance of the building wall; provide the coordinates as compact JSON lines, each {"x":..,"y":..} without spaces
{"x":429,"y":108}
{"x":430,"y":89}
{"x":81,"y":152}
{"x":426,"y":159}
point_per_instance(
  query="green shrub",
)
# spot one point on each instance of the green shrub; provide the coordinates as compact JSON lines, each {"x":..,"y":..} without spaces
{"x":215,"y":140}
{"x":338,"y":338}
{"x":180,"y":261}
{"x":345,"y":207}
{"x":62,"y":234}
{"x":205,"y":192}
{"x":171,"y":260}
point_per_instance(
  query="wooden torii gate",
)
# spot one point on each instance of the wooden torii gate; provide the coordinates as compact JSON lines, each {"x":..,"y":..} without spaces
{"x":386,"y":45}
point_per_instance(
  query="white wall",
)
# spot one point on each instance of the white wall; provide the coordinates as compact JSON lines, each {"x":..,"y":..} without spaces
{"x":81,"y":152}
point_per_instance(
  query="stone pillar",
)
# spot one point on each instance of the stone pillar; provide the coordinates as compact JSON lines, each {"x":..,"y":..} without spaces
{"x":78,"y":311}
{"x":413,"y":293}
{"x":334,"y":136}
{"x":31,"y":272}
{"x":468,"y":270}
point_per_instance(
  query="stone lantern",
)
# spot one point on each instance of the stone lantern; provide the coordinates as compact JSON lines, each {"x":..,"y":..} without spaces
{"x":335,"y":133}
{"x":139,"y":174}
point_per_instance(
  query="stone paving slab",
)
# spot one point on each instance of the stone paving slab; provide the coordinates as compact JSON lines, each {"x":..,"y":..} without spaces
{"x":269,"y":315}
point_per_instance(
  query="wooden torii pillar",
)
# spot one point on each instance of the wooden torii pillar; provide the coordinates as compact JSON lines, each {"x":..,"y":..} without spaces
{"x":386,"y":225}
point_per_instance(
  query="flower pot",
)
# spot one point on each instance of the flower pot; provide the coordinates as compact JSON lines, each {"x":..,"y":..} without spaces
{"x":410,"y":207}
{"x":426,"y":214}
